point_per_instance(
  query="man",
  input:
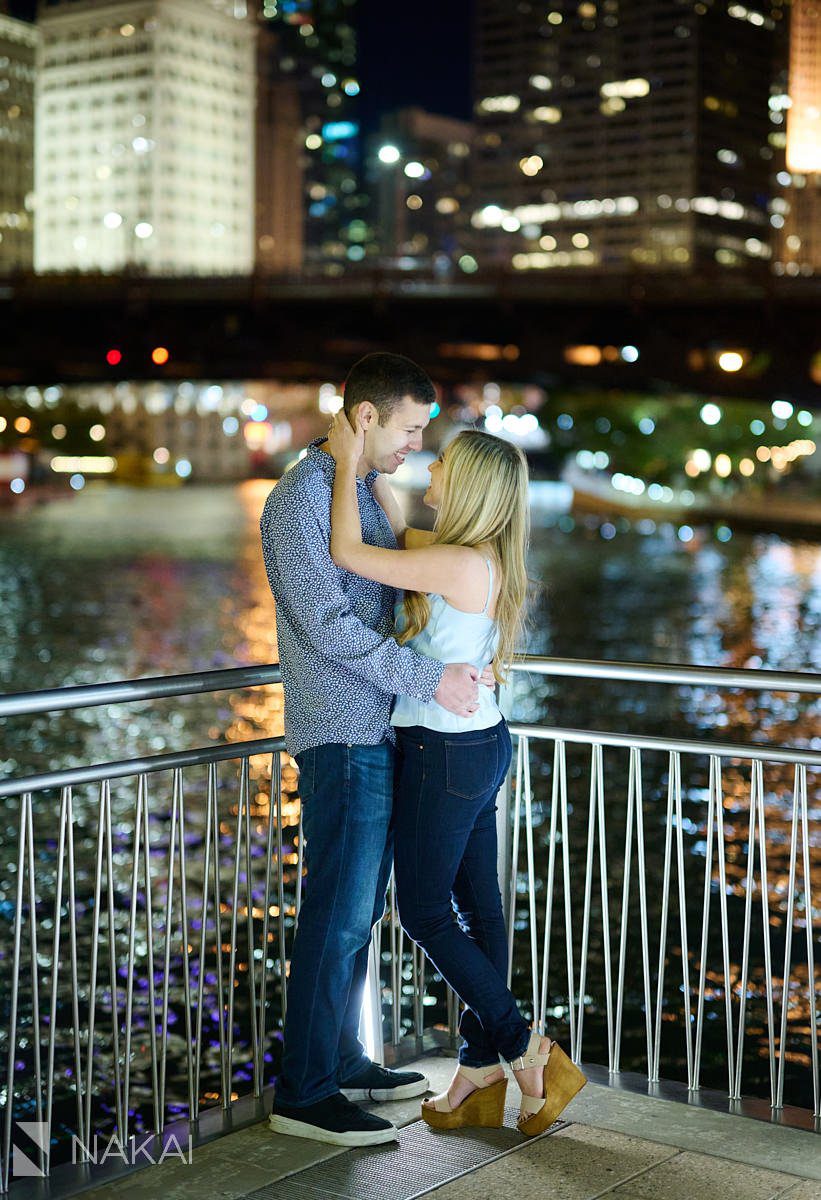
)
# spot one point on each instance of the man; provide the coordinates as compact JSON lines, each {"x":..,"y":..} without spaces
{"x":340,"y":670}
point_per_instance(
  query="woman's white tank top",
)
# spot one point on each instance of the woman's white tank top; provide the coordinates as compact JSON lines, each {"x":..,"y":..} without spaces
{"x":453,"y":636}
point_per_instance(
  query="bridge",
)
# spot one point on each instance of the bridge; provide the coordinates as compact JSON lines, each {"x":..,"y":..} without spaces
{"x":644,"y":333}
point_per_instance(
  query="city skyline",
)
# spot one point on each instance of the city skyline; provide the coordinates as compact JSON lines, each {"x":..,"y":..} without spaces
{"x":604,"y":137}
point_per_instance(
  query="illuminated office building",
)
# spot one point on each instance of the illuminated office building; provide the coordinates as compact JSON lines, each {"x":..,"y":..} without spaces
{"x":144,"y":146}
{"x":18,"y":43}
{"x":798,"y":207}
{"x":317,"y":53}
{"x":279,"y":172}
{"x":623,"y":135}
{"x":419,"y":175}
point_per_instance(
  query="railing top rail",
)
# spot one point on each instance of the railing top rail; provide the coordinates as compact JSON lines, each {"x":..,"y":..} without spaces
{"x":728,"y":750}
{"x":127,"y":690}
{"x":140,"y":766}
{"x":201,"y":682}
{"x":754,"y":679}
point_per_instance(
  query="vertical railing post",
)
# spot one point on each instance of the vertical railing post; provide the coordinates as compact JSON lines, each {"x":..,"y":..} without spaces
{"x":371,"y":1030}
{"x":504,"y":811}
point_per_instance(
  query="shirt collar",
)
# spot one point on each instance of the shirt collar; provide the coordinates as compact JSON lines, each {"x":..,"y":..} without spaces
{"x":327,"y":463}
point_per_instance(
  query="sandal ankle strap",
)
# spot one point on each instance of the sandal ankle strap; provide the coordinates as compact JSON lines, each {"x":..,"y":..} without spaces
{"x":477,"y":1075}
{"x":532,"y":1057}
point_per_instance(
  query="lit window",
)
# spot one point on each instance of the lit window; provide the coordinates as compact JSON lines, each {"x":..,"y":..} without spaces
{"x":500,"y":104}
{"x":531,"y":165}
{"x":548,"y":113}
{"x":629,"y":89}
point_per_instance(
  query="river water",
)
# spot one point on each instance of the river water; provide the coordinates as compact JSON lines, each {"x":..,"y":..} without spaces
{"x":115,"y":583}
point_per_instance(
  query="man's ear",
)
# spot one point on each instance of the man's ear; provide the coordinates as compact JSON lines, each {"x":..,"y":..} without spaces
{"x":365,"y":415}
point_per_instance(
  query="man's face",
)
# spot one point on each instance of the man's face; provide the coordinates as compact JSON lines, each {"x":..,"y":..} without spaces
{"x":386,"y":446}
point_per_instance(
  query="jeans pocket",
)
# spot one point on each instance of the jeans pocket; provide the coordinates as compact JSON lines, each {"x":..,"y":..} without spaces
{"x":471,"y":766}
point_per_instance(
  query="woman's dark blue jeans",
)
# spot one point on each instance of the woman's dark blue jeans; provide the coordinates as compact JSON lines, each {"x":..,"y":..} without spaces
{"x":445,"y":864}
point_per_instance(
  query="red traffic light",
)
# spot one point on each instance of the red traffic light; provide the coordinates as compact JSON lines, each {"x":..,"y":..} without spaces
{"x":114,"y":357}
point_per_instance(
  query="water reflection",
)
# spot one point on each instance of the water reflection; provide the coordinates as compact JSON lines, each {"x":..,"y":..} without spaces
{"x":119,"y":583}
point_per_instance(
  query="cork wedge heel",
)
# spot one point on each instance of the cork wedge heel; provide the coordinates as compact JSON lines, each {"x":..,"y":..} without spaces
{"x":484,"y":1107}
{"x":562,"y":1081}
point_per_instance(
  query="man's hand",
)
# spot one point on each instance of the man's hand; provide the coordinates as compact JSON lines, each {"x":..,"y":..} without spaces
{"x":487,"y":678}
{"x":458,"y":689}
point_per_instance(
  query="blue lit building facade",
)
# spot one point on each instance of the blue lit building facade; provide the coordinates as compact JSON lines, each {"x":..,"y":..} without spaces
{"x":316,"y":53}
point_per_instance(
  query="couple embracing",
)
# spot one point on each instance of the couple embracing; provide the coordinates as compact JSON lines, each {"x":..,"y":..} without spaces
{"x":390,"y":642}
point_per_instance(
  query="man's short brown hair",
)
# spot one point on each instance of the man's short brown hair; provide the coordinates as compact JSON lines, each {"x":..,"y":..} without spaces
{"x":385,"y":380}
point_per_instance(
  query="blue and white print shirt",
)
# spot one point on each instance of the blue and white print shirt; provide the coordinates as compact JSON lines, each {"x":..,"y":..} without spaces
{"x":341,"y":667}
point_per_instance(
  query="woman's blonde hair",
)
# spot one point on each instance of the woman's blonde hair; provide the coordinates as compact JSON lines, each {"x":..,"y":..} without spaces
{"x":484,"y":502}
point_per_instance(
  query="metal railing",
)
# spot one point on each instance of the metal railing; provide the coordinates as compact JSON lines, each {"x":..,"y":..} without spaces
{"x":141,"y":938}
{"x":182,"y":915}
{"x":774,"y":814}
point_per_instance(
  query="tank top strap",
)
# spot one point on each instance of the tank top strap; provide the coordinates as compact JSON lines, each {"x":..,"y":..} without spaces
{"x":489,"y":586}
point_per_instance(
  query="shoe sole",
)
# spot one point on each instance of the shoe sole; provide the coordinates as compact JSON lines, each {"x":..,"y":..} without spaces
{"x":332,"y":1137}
{"x":379,"y":1095}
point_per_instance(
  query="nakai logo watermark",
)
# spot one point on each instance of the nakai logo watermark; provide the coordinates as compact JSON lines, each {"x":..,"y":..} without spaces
{"x":148,"y":1150}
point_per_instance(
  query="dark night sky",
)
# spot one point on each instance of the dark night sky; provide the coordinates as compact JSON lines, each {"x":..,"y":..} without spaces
{"x":410,"y":53}
{"x":24,"y":9}
{"x":415,"y":53}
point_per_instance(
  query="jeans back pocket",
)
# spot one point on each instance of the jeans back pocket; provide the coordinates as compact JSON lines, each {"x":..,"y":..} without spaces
{"x":471,"y":766}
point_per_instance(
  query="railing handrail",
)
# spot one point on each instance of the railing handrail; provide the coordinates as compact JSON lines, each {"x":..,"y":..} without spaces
{"x":140,"y":766}
{"x":200,"y":682}
{"x":753,"y":678}
{"x":763,"y":751}
{"x":127,"y":690}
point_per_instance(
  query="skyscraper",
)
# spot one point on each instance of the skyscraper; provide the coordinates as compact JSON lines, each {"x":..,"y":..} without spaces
{"x":18,"y":43}
{"x":280,"y":233}
{"x":144,"y":149}
{"x":317,"y":51}
{"x":623,"y":134}
{"x":419,"y":178}
{"x":799,"y":241}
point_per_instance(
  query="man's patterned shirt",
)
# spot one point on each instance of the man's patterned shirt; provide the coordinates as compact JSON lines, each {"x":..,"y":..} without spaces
{"x":340,"y":664}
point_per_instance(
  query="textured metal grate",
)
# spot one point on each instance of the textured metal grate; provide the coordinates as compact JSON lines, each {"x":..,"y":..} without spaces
{"x":419,"y":1162}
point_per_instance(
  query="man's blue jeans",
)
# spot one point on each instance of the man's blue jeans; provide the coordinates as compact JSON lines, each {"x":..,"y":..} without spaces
{"x":445,"y":850}
{"x":347,"y":796}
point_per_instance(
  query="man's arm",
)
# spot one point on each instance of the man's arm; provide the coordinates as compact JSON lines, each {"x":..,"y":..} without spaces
{"x":307,"y":587}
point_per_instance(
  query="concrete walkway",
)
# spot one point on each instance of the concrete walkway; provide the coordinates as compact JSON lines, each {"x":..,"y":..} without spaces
{"x":615,"y":1144}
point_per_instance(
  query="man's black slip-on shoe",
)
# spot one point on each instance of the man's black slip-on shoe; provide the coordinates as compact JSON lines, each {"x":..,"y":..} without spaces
{"x":335,"y":1121}
{"x":380,"y":1084}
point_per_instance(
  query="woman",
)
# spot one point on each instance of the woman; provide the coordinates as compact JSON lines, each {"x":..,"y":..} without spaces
{"x":464,"y":587}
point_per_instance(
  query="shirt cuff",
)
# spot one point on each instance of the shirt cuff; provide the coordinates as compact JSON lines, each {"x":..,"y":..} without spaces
{"x":431,"y":678}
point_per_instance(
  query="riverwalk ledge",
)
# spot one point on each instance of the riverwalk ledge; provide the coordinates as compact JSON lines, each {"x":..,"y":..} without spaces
{"x":609,"y":1143}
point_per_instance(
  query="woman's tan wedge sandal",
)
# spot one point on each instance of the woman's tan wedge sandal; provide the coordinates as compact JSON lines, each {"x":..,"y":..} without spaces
{"x":562,"y":1079}
{"x":485,"y":1106}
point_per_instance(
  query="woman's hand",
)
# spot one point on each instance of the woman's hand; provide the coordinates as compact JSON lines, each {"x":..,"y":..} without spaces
{"x":346,"y":443}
